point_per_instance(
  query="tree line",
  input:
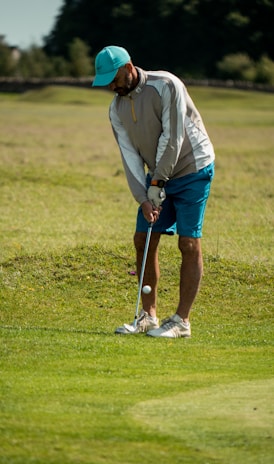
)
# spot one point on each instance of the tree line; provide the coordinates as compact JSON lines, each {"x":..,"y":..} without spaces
{"x":192,"y":38}
{"x":35,"y":62}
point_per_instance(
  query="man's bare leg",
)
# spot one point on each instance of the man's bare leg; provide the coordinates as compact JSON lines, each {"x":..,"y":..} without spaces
{"x":190,"y":274}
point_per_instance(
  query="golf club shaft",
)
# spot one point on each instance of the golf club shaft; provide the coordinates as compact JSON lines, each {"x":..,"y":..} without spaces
{"x":142,"y":273}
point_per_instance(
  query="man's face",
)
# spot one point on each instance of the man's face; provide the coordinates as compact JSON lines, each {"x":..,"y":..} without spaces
{"x":122,"y":83}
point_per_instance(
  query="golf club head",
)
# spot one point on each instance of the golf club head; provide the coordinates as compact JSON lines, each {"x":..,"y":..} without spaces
{"x":130,"y":328}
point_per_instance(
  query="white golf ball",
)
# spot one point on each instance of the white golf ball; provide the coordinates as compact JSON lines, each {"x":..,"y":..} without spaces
{"x":146,"y":289}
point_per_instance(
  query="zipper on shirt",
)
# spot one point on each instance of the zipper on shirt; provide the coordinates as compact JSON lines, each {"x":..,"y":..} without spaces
{"x":132,"y":109}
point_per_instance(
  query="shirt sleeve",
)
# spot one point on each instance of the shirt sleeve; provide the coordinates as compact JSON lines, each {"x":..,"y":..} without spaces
{"x":132,"y":161}
{"x":173,"y":122}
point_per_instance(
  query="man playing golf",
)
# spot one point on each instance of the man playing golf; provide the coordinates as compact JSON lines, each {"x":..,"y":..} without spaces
{"x":169,"y":163}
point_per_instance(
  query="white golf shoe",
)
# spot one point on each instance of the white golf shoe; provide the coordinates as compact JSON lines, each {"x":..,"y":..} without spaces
{"x":144,"y":323}
{"x":173,"y":327}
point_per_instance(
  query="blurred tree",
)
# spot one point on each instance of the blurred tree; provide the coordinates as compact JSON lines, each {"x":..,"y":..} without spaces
{"x":186,"y":36}
{"x":34,"y":63}
{"x":61,"y":67}
{"x":192,"y":38}
{"x":237,"y":66}
{"x":80,"y":62}
{"x":7,"y":61}
{"x":265,"y":71}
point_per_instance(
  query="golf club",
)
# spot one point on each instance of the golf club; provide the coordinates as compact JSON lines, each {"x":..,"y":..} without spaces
{"x":132,"y":328}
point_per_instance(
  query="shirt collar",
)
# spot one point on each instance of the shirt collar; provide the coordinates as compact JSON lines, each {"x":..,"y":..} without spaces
{"x":142,"y":81}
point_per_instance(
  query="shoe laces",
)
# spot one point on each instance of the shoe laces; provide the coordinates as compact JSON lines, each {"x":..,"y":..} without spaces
{"x":141,"y":317}
{"x":168,"y":323}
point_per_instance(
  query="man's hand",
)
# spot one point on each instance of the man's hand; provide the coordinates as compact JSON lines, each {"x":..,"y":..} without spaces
{"x":151,"y":214}
{"x":156,"y":195}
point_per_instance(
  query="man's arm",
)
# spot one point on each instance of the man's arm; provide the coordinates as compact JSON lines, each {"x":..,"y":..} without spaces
{"x":132,"y":161}
{"x":173,"y":123}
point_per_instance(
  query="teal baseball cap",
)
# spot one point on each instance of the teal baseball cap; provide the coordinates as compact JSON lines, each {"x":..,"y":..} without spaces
{"x":107,"y":63}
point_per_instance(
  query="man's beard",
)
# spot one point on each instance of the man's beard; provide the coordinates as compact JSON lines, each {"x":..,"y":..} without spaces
{"x":126,"y":89}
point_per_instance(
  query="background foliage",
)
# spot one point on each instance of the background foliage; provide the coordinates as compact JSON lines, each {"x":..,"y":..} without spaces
{"x":192,"y":38}
{"x":188,"y":36}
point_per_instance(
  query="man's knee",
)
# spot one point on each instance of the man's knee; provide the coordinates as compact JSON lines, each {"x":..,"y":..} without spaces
{"x":189,"y":245}
{"x":140,"y":240}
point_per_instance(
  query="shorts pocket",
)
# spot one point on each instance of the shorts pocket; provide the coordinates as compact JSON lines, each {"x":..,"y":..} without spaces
{"x":211,"y":171}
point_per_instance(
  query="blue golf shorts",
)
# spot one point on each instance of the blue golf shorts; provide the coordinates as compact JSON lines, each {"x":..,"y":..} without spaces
{"x":184,"y":207}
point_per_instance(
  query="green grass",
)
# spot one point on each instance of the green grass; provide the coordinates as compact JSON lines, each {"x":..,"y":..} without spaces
{"x":72,"y":391}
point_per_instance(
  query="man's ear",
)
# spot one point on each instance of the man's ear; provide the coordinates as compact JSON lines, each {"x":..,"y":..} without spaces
{"x":129,"y":66}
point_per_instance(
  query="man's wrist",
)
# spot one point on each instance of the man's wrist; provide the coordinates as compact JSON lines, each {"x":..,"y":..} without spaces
{"x":158,"y":183}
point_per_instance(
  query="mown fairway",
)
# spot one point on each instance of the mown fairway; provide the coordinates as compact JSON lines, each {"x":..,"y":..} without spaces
{"x":70,"y":390}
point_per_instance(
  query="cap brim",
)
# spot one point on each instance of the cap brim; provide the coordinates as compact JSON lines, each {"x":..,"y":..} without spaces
{"x":102,"y":80}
